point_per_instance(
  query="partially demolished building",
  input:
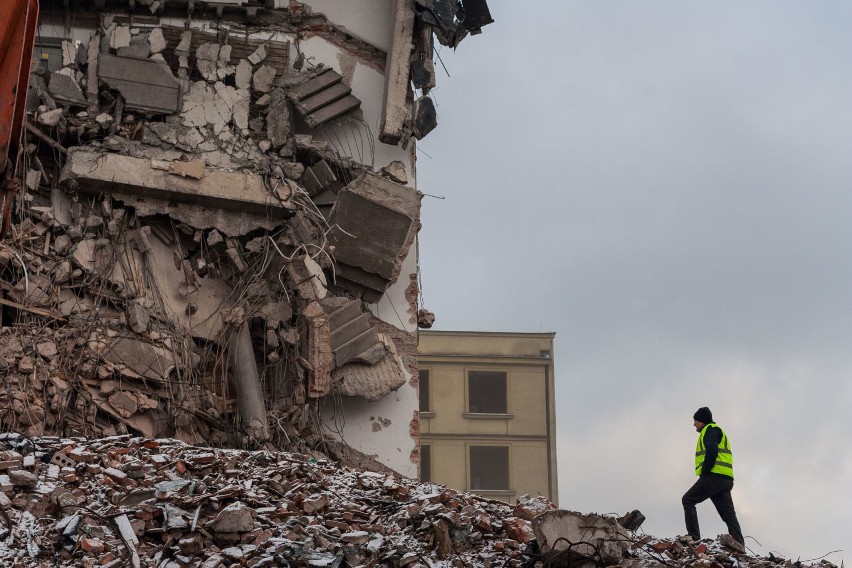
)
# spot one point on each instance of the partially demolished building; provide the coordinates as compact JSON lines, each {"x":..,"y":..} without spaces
{"x":208,"y":231}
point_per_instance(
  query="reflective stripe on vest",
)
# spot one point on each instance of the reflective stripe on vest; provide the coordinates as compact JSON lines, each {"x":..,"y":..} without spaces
{"x":724,"y":460}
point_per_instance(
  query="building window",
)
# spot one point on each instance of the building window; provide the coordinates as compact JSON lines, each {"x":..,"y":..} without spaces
{"x":425,"y":463}
{"x":424,"y":391}
{"x":489,"y":467}
{"x":486,"y":392}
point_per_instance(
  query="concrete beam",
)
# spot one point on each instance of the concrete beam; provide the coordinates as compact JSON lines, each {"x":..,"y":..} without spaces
{"x":397,"y":69}
{"x":104,"y":172}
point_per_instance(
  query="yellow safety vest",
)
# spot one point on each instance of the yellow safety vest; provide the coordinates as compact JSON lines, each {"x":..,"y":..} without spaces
{"x":724,"y":460}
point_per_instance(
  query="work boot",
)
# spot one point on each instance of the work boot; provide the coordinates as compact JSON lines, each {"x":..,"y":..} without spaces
{"x":730,"y":542}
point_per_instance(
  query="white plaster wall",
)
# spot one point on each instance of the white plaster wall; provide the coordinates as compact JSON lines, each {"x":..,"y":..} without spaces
{"x":392,"y":445}
{"x":369,"y":20}
{"x":393,"y":307}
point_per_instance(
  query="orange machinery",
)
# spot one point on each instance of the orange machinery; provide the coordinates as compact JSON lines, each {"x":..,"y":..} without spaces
{"x":18,"y":23}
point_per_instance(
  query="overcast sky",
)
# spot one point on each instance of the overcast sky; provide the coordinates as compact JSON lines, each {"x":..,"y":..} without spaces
{"x":665,"y":185}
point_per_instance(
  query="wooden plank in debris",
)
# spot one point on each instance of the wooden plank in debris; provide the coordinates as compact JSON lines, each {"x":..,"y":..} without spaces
{"x":332,"y":111}
{"x":31,"y":309}
{"x":277,"y":52}
{"x":310,"y":87}
{"x":323,"y":98}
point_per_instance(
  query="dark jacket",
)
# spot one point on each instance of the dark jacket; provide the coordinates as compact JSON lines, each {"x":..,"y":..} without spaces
{"x":712,"y":439}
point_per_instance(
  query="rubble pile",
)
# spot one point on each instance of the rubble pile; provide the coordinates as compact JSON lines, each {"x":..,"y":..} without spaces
{"x":185,"y":258}
{"x":129,"y":501}
{"x":123,"y":501}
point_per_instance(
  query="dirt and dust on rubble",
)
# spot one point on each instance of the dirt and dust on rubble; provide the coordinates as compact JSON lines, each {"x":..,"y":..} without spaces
{"x":129,"y":501}
{"x":177,"y":261}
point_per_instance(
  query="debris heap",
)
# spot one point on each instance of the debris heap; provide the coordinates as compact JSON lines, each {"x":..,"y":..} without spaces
{"x":127,"y":501}
{"x":198,"y":230}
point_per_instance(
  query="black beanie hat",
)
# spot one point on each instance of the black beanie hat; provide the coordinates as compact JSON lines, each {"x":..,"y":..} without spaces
{"x":703,"y":415}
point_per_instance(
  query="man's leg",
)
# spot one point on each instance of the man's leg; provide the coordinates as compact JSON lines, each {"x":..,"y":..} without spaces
{"x":700,"y":491}
{"x":725,"y":507}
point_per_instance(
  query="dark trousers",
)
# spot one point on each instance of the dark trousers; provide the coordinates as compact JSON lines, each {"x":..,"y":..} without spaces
{"x":717,"y":488}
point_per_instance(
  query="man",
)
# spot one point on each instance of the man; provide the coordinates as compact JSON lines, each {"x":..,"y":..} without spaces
{"x":714,"y":466}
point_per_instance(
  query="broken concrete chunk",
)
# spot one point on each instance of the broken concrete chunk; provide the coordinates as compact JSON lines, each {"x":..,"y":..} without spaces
{"x":276,"y":313}
{"x":423,"y":74}
{"x":65,"y":89}
{"x":120,"y":37}
{"x":214,"y":237}
{"x":223,"y":72}
{"x":104,"y":119}
{"x":194,"y":169}
{"x":138,"y":48}
{"x":136,"y":357}
{"x":372,"y":382}
{"x":62,"y":244}
{"x":279,"y":127}
{"x":69,"y":53}
{"x":239,"y":191}
{"x":157,"y":41}
{"x":33,"y":180}
{"x":137,"y":317}
{"x":206,"y":60}
{"x":373,"y":225}
{"x":51,"y":117}
{"x":185,"y":42}
{"x":47,"y":349}
{"x":23,"y":478}
{"x":308,"y":278}
{"x":596,"y":535}
{"x":243,"y":74}
{"x":124,"y":404}
{"x":424,"y":117}
{"x":145,"y":84}
{"x":235,"y":518}
{"x":215,"y":106}
{"x":395,"y":171}
{"x":263,"y":78}
{"x":263,"y":101}
{"x":318,"y":349}
{"x":258,"y":55}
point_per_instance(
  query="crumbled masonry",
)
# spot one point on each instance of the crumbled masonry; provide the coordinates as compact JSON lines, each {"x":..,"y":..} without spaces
{"x":128,"y":501}
{"x":191,"y":253}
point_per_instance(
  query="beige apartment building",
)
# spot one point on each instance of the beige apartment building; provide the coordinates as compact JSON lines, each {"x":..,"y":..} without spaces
{"x":487,"y":413}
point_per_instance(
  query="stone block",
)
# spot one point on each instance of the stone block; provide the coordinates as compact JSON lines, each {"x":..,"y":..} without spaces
{"x":595,"y":533}
{"x":235,"y":518}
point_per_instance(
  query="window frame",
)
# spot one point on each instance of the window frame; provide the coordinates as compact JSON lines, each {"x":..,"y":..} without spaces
{"x":430,"y":412}
{"x":470,"y":467}
{"x":427,"y":470}
{"x":468,"y":413}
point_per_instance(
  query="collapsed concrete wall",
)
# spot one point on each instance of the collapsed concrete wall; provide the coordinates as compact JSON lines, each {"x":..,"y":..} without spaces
{"x":211,"y":237}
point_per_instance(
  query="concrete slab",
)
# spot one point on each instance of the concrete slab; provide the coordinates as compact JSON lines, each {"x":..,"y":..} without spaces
{"x":145,"y":84}
{"x":379,"y":217}
{"x":103,"y":172}
{"x":65,"y":89}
